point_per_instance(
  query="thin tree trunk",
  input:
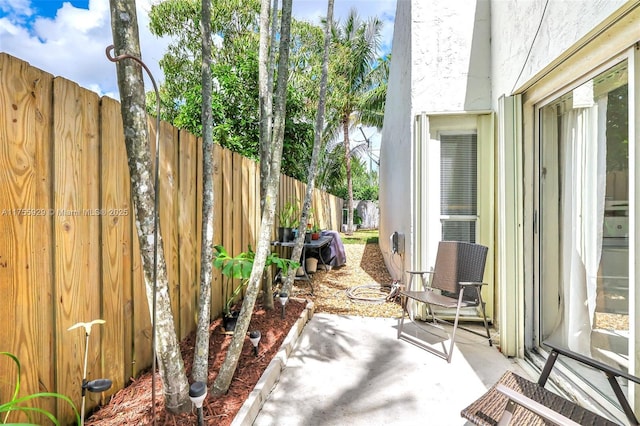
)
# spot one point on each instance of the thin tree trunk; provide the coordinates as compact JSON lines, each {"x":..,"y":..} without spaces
{"x":347,"y":162}
{"x":228,"y":368}
{"x":266,"y":65}
{"x":200,"y":370}
{"x":271,"y":65}
{"x":317,"y":145}
{"x":126,"y":40}
{"x":265,"y":87}
{"x":265,"y":98}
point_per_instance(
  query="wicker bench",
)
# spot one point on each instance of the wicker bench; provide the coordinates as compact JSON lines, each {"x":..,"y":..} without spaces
{"x":518,"y":401}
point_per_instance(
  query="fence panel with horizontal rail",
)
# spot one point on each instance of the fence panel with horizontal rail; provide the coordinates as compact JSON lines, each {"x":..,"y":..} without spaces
{"x":68,"y":242}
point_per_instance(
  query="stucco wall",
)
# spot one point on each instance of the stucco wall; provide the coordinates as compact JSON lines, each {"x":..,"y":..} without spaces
{"x":441,"y":63}
{"x":395,"y":149}
{"x":513,"y":33}
{"x":451,"y":55}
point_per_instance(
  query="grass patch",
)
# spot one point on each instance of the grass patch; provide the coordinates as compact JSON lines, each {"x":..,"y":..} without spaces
{"x":361,"y":236}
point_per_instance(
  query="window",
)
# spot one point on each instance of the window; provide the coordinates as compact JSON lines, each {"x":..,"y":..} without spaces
{"x":458,"y":186}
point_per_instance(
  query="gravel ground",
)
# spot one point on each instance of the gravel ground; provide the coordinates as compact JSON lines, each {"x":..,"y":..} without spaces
{"x":365,"y":266}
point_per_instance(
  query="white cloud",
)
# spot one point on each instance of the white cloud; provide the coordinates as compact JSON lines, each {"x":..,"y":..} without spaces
{"x":16,"y":8}
{"x":72,"y":45}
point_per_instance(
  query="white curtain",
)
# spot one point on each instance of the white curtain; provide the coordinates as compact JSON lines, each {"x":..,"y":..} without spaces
{"x":583,"y":183}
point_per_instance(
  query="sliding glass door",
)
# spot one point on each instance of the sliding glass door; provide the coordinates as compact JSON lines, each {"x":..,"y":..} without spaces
{"x":583,"y":169}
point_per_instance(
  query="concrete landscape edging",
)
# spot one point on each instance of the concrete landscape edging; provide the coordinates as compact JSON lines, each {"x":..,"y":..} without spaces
{"x":252,"y":405}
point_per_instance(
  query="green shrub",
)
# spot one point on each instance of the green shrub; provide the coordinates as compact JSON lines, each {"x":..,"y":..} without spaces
{"x":239,"y":267}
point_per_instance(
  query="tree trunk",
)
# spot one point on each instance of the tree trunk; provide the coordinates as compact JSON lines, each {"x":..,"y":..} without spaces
{"x":317,"y":146}
{"x":228,"y":368}
{"x":347,"y":163}
{"x":265,"y":88}
{"x":200,"y":370}
{"x":131,"y":86}
{"x":265,"y":98}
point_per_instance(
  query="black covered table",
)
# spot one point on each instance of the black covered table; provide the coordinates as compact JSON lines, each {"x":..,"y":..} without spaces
{"x":316,"y":245}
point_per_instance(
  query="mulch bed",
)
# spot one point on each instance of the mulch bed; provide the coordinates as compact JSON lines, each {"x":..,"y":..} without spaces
{"x":132,"y":405}
{"x":365,"y":266}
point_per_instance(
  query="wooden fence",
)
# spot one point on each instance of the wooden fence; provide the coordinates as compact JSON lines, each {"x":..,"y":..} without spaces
{"x":68,"y":243}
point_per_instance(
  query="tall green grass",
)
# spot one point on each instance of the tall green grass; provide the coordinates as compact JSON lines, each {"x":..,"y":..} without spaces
{"x":15,"y":404}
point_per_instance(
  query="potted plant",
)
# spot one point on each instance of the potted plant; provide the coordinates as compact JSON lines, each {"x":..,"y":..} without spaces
{"x":239,"y":267}
{"x":287,"y":218}
{"x":315,"y":231}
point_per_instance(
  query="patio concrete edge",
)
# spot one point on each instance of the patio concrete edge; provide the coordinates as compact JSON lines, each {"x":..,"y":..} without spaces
{"x":252,"y":405}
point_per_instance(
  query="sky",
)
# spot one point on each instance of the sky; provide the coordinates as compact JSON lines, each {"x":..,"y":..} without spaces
{"x":68,"y":38}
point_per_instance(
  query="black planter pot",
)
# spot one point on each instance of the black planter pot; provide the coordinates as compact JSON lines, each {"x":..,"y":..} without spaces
{"x":285,"y":234}
{"x":229,"y":321}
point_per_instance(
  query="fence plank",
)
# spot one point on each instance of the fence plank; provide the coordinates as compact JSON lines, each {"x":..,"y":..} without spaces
{"x":218,"y":212}
{"x":238,"y":214}
{"x":227,"y":214}
{"x":26,"y":275}
{"x":116,"y":244}
{"x":77,"y":235}
{"x":168,"y":209}
{"x":248,"y":205}
{"x":142,"y":350}
{"x":186,"y":232}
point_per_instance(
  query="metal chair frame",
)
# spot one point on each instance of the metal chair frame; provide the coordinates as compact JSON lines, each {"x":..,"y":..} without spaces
{"x":458,"y":285}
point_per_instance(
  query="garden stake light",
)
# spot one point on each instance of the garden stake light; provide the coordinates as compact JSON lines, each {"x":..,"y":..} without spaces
{"x":98,"y":385}
{"x":283,"y":301}
{"x":156,"y":179}
{"x":197,"y":394}
{"x":254,"y":337}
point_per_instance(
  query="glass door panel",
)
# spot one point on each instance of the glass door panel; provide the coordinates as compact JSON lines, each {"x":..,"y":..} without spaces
{"x":584,"y":219}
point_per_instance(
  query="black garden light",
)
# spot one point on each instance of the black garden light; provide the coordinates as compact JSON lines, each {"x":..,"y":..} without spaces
{"x":197,"y":394}
{"x":254,"y":337}
{"x":284,"y":297}
{"x":94,"y":386}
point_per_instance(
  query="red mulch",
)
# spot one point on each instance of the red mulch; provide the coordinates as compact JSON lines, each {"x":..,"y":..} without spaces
{"x":132,"y":405}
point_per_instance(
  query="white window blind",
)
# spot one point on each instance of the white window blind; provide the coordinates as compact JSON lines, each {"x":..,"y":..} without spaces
{"x":458,"y":186}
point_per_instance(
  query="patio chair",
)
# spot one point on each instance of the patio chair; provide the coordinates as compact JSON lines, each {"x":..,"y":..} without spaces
{"x":456,"y":281}
{"x":518,"y":401}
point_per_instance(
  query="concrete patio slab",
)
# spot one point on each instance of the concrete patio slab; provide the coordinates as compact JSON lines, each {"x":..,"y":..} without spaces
{"x":354,"y":371}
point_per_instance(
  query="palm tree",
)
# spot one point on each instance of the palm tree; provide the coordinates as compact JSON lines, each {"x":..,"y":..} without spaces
{"x":356,"y":97}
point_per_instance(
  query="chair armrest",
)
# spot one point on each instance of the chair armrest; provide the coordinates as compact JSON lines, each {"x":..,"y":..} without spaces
{"x":425,"y":285}
{"x":470,"y":283}
{"x":611,"y":373}
{"x":606,"y":369}
{"x":533,"y":406}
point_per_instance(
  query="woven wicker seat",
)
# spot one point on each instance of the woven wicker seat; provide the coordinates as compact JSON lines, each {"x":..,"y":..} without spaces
{"x":488,"y":409}
{"x":456,"y":283}
{"x":517,"y":401}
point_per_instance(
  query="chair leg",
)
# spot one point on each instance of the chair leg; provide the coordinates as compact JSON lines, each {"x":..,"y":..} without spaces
{"x":404,"y":310}
{"x":455,"y":327}
{"x":484,"y":315}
